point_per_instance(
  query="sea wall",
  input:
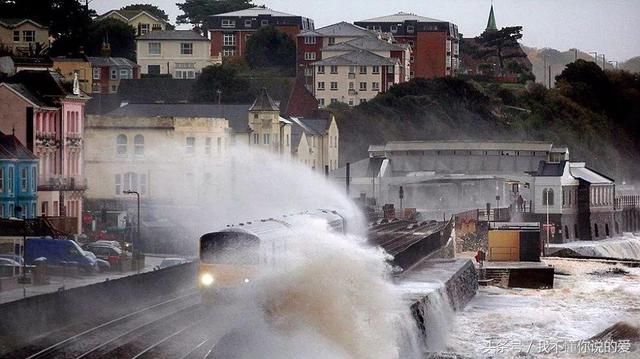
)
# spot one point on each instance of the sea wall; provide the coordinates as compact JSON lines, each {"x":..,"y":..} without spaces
{"x":625,"y":247}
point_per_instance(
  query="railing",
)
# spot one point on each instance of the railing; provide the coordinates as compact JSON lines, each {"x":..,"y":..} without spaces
{"x":628,"y":201}
{"x":63,"y":183}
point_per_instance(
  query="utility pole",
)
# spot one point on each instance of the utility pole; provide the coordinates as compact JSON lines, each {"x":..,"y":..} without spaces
{"x":548,"y":226}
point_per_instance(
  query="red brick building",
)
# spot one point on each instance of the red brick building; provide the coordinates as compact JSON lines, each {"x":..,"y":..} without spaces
{"x":435,"y":43}
{"x":230,"y":31}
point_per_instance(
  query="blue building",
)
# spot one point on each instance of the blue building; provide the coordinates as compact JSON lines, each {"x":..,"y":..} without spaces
{"x":18,"y":179}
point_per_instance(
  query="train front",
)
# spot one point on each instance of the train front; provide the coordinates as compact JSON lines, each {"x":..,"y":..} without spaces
{"x":229,"y":259}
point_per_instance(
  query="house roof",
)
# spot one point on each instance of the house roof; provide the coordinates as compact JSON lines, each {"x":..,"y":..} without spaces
{"x":550,"y":169}
{"x":155,"y":90}
{"x":301,"y":101}
{"x":467,"y":145}
{"x":111,"y":61}
{"x":308,"y":126}
{"x":46,"y":86}
{"x":581,"y":171}
{"x":400,"y":17}
{"x":264,"y":102}
{"x":173,"y":35}
{"x":340,"y":29}
{"x":254,"y":11}
{"x":11,"y":148}
{"x":357,"y":57}
{"x":129,"y":15}
{"x":237,"y":115}
{"x":365,"y":43}
{"x":12,"y":22}
{"x":23,"y":92}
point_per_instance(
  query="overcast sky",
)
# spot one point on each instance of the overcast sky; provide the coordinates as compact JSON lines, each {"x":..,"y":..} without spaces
{"x":611,"y":27}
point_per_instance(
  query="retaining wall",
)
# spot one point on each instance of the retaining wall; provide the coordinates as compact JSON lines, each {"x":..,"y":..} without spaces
{"x":29,"y":317}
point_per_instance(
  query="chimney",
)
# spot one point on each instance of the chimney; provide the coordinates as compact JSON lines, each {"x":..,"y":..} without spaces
{"x":105,"y":51}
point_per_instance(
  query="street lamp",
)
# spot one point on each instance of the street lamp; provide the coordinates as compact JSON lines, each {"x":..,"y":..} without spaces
{"x":18,"y":213}
{"x":136,"y":250}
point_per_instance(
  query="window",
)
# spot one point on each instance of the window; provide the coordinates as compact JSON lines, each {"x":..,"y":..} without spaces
{"x":334,"y":69}
{"x":363,"y":86}
{"x":156,"y":27}
{"x":28,"y":36}
{"x":332,"y":40}
{"x":143,"y":184}
{"x":375,"y":69}
{"x":114,"y":88}
{"x":229,"y":40}
{"x":144,"y":28}
{"x":186,"y":48}
{"x":130,"y":181}
{"x":389,"y":69}
{"x":118,"y":182}
{"x":96,"y":73}
{"x":321,"y":69}
{"x":321,"y":101}
{"x":375,"y":86}
{"x":219,"y":145}
{"x":394,"y":28}
{"x":138,"y":145}
{"x":228,"y":23}
{"x":309,"y":40}
{"x":125,"y":74}
{"x":351,"y":86}
{"x":121,"y":145}
{"x":228,"y":52}
{"x":155,"y":48}
{"x":114,"y":74}
{"x":33,"y":179}
{"x":190,"y":145}
{"x":247,"y":23}
{"x":334,"y":100}
{"x":350,"y":102}
{"x":363,"y":100}
{"x":308,"y":71}
{"x":264,"y":22}
{"x":309,"y":55}
{"x":547,"y":197}
{"x":16,"y":36}
{"x":24,"y":179}
{"x":411,"y":59}
{"x":256,"y":138}
{"x":185,"y":74}
{"x":1,"y":180}
{"x":321,"y":86}
{"x":207,"y":146}
{"x":334,"y":86}
{"x":153,"y":69}
{"x":287,"y":143}
{"x":266,"y":138}
{"x":363,"y":69}
{"x":410,"y":29}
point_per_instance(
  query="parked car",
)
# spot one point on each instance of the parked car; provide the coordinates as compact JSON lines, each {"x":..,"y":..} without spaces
{"x":101,"y":264}
{"x":9,"y":267}
{"x":14,"y":257}
{"x":109,"y":243}
{"x":168,"y":262}
{"x":58,"y":251}
{"x":108,"y":253}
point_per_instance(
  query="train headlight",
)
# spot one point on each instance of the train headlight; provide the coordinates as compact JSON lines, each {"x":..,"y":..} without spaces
{"x":246,"y":280}
{"x":206,"y":279}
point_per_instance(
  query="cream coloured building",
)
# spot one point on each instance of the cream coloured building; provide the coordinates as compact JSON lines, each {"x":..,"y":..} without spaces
{"x":181,"y":53}
{"x":316,"y":142}
{"x":354,"y":77}
{"x":21,"y":35}
{"x":142,"y":21}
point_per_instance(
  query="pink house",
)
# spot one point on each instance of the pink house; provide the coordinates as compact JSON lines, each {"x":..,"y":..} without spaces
{"x":47,"y":115}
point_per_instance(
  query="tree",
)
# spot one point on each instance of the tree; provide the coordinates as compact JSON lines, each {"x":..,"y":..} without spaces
{"x":151,"y":9}
{"x":197,"y":12}
{"x":214,"y":78}
{"x":502,"y":43}
{"x":269,"y":47}
{"x":120,"y":36}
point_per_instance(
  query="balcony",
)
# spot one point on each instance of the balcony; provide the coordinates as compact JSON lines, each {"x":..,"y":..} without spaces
{"x":73,"y":140}
{"x":62,"y":183}
{"x":47,"y":139}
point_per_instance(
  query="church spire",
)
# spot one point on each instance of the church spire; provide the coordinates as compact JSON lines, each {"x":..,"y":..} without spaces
{"x":491,"y":24}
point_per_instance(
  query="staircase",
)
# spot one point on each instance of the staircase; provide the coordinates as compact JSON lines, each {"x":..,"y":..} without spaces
{"x":498,"y":276}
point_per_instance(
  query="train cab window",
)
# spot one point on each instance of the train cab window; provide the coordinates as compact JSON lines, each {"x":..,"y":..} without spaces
{"x":234,"y":248}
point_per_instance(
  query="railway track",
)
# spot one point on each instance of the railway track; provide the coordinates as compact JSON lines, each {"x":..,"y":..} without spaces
{"x":171,"y":329}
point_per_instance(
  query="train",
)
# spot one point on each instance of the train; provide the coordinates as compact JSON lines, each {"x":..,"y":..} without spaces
{"x":233,"y":257}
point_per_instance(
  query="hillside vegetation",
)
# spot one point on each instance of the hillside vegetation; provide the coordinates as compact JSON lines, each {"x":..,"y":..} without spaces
{"x":593,"y":112}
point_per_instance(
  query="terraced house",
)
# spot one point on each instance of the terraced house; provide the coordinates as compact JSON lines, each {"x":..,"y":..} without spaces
{"x":46,"y":114}
{"x":142,"y":21}
{"x":18,"y":179}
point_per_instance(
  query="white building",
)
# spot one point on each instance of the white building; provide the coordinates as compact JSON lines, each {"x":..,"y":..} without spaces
{"x":180,"y":53}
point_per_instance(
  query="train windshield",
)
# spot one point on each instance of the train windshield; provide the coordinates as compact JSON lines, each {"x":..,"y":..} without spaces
{"x":235,"y":248}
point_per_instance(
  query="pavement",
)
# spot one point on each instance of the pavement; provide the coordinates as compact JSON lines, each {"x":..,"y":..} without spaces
{"x":57,"y":283}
